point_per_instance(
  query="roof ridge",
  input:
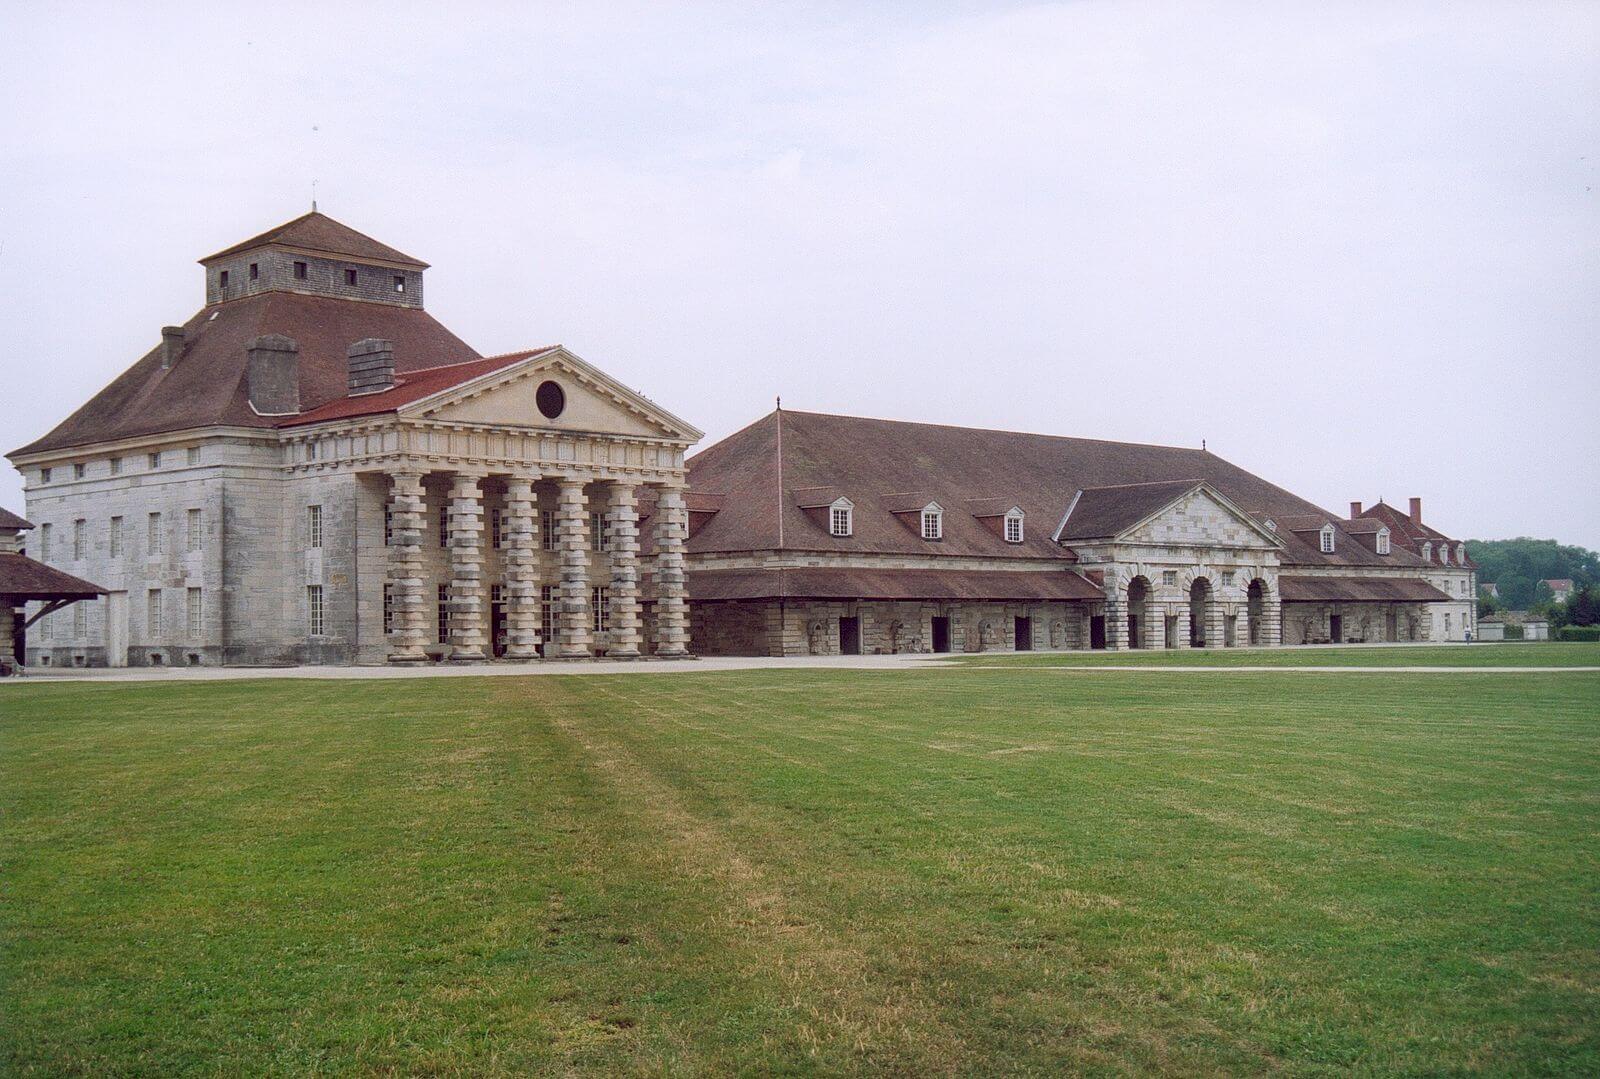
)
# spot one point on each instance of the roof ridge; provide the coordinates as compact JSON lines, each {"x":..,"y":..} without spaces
{"x":993,"y":430}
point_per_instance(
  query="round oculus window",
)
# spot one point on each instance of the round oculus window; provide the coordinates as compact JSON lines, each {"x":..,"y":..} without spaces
{"x":551,"y":399}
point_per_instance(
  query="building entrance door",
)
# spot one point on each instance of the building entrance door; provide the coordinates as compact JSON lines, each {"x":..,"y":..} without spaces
{"x":849,"y":636}
{"x":1335,"y":628}
{"x":1391,"y":627}
{"x":1097,"y":631}
{"x":941,"y":634}
{"x":117,"y":629}
{"x":1022,"y":631}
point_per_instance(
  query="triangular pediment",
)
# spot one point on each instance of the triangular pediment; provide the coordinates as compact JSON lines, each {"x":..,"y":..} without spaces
{"x":591,"y":401}
{"x":1201,"y":517}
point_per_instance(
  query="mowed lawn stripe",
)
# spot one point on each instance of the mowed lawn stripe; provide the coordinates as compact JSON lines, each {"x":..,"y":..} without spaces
{"x":803,"y":871}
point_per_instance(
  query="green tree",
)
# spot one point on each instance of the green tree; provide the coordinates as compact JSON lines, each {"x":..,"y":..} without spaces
{"x":1517,"y":565}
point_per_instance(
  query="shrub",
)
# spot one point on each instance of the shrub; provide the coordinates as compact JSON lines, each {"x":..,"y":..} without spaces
{"x":1578,"y":633}
{"x":1513,"y":633}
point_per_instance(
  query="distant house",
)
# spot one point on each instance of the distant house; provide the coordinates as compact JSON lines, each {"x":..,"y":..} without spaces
{"x":1560,"y":588}
{"x":1489,"y":588}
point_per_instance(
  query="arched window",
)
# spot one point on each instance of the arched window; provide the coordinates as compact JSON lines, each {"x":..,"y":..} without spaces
{"x":1461,"y":553}
{"x":1444,"y":554}
{"x":1383,"y":541}
{"x":1427,"y":552}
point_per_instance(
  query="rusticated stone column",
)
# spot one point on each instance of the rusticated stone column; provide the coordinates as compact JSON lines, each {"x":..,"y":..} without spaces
{"x":1116,"y":622}
{"x":672,"y":533}
{"x":1216,"y":614}
{"x":468,"y":634}
{"x":572,"y":539}
{"x":522,"y":573}
{"x":622,"y":519}
{"x":1180,"y":637}
{"x":405,"y":569}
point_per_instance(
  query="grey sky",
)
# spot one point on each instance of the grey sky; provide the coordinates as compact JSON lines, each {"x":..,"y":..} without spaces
{"x":1355,"y":248}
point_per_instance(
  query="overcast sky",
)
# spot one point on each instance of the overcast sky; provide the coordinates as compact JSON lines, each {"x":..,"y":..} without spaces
{"x":1354,"y":248}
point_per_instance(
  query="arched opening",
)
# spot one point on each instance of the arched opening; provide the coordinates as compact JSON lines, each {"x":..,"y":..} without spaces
{"x":1201,"y":600}
{"x":1256,"y":609}
{"x":1139,"y":613}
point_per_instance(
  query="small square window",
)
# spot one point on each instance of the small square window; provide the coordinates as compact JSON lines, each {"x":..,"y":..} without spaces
{"x":399,"y":283}
{"x":154,"y":459}
{"x":350,"y":278}
{"x":116,"y":466}
{"x":78,"y":471}
{"x":1169,"y":577}
{"x":45,"y":474}
{"x":193,"y":455}
{"x":1227,"y":578}
{"x":299,"y":271}
{"x":255,"y":271}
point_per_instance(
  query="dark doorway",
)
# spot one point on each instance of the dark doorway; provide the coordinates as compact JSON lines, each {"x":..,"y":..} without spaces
{"x":1200,"y":601}
{"x":941,"y":634}
{"x":1097,"y":631}
{"x":19,"y":638}
{"x":1022,"y":628}
{"x":1133,"y":631}
{"x":849,"y":636}
{"x":1335,"y":628}
{"x":1391,"y":626}
{"x":497,"y":629}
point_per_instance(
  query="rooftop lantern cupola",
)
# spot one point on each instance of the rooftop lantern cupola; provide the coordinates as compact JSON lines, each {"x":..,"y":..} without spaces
{"x":315,"y":255}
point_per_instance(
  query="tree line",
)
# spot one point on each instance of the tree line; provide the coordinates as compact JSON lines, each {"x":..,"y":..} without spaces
{"x":1518,"y":566}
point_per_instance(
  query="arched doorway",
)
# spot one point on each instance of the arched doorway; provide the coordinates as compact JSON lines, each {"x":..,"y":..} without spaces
{"x":1256,"y":609}
{"x":1201,"y":600}
{"x":1139,"y":613}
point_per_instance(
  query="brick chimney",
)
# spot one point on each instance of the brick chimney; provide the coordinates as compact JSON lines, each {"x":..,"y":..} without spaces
{"x":1416,"y":511}
{"x":1355,"y":510}
{"x":274,"y":375}
{"x":171,"y":345}
{"x":371,"y":366}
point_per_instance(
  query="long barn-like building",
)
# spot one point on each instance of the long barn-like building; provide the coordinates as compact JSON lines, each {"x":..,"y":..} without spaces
{"x":312,"y":469}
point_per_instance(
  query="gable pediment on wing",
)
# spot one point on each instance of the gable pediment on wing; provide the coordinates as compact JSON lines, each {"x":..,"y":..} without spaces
{"x":1201,"y":518}
{"x":590,"y":401}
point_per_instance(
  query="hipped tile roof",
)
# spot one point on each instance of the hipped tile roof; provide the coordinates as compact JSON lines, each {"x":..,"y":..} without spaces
{"x":411,"y":387}
{"x":22,"y":578}
{"x":320,"y":233}
{"x":10,"y":522}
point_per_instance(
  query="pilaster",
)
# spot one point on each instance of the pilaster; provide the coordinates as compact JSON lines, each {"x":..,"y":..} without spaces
{"x":406,"y":515}
{"x":572,"y":540}
{"x":468,"y":633}
{"x":622,"y":520}
{"x":522,"y":573}
{"x":672,"y":533}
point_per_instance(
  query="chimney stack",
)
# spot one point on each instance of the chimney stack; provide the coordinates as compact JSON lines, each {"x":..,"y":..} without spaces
{"x":1355,"y":510}
{"x":371,"y":367}
{"x":1416,"y":511}
{"x":274,"y":375}
{"x":171,"y":345}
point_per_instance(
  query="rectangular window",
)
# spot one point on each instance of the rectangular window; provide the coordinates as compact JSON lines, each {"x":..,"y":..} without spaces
{"x":1327,"y":541}
{"x":314,"y":623}
{"x":44,"y":542}
{"x":195,"y":612}
{"x":116,"y":466}
{"x":1013,"y":529}
{"x":839,"y":521}
{"x":116,"y":537}
{"x":311,"y":450}
{"x":600,"y":609}
{"x":388,"y":526}
{"x":78,"y":528}
{"x":444,"y":527}
{"x":350,"y":278}
{"x":45,"y":474}
{"x":599,"y":535}
{"x":78,"y":471}
{"x":154,"y":459}
{"x":547,"y":616}
{"x":193,"y":455}
{"x":153,"y":539}
{"x":932,"y":526}
{"x":497,"y":528}
{"x":255,"y":270}
{"x":388,"y":608}
{"x":224,"y":278}
{"x":314,"y":527}
{"x":1227,"y":578}
{"x":547,"y":530}
{"x":299,"y":271}
{"x":399,"y":283}
{"x":444,"y":614}
{"x":1169,"y":576}
{"x":1383,"y":543}
{"x":194,"y":530}
{"x":152,"y":614}
{"x":80,"y":620}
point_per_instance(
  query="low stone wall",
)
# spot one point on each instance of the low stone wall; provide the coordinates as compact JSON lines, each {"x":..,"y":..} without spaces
{"x":812,"y":627}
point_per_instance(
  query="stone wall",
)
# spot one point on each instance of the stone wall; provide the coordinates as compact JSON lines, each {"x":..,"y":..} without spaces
{"x":324,"y":277}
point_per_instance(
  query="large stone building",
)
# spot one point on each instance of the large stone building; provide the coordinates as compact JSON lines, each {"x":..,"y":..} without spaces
{"x":824,"y":534}
{"x":312,"y":469}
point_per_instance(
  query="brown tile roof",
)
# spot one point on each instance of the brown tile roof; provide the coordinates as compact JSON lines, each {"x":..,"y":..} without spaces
{"x":410,"y":387}
{"x":10,"y":522}
{"x":322,"y":234}
{"x":867,"y":459}
{"x":207,"y":384}
{"x":23,"y":578}
{"x":842,"y":583}
{"x":1358,"y":590}
{"x":1408,"y":534}
{"x":1101,"y":512}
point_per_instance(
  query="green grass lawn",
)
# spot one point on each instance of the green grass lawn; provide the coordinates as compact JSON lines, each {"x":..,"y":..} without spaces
{"x":941,"y":871}
{"x":1531,"y":654}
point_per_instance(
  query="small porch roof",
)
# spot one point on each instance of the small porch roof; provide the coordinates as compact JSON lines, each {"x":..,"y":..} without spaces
{"x":21,"y":578}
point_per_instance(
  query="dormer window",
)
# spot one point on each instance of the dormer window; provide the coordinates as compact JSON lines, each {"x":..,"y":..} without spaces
{"x":300,"y":271}
{"x":1444,"y":554}
{"x":1383,"y":541}
{"x":1272,"y":526}
{"x":1461,"y":553}
{"x":1427,"y":552}
{"x":932,"y":522}
{"x":1327,"y":539}
{"x":1013,"y":526}
{"x":841,"y":518}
